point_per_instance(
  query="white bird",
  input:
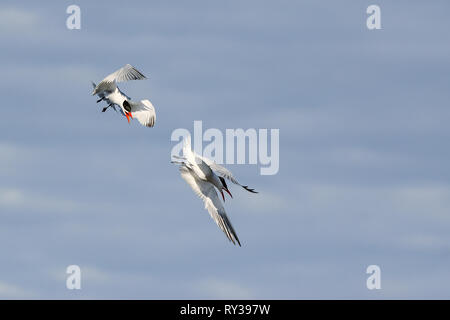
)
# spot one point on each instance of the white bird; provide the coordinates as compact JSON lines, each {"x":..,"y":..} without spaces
{"x":108,"y":91}
{"x":202,"y":180}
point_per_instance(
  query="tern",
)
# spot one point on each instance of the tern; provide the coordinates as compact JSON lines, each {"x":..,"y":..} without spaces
{"x":108,"y":91}
{"x":203,"y":181}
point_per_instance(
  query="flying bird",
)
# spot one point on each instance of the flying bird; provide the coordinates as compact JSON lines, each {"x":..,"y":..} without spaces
{"x":204,"y":182}
{"x":108,"y":91}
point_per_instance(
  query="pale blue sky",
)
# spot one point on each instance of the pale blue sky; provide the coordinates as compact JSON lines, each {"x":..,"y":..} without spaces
{"x":364,"y":175}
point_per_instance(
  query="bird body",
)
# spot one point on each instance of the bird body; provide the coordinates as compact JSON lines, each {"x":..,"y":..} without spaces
{"x":117,"y":97}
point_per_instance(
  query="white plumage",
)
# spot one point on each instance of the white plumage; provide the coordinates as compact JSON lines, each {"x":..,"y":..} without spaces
{"x":144,"y":112}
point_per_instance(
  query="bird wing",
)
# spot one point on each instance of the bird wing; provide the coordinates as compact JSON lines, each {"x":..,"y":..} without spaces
{"x":225,"y":173}
{"x":194,"y":162}
{"x":100,"y":94}
{"x":128,"y":72}
{"x":208,"y":194}
{"x":144,"y":112}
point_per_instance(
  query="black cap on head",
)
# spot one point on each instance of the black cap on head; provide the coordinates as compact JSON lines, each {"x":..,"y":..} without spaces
{"x":126,"y":106}
{"x":223,"y":182}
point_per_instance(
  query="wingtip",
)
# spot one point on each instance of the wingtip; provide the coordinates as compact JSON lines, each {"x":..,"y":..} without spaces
{"x":249,"y":189}
{"x":236,"y":240}
{"x":140,"y":73}
{"x":95,"y":86}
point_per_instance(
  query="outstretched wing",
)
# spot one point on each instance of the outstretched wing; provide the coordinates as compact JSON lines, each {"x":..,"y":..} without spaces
{"x":144,"y":112}
{"x":208,"y":194}
{"x":225,"y":173}
{"x":128,"y":72}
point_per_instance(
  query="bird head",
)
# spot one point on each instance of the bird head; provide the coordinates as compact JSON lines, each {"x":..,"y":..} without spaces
{"x":127,"y":110}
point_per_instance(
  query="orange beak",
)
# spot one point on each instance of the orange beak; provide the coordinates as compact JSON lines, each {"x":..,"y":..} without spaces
{"x":228,"y":191}
{"x":128,"y":115}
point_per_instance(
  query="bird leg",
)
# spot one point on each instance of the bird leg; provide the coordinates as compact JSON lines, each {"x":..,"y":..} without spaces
{"x":100,"y":99}
{"x":105,"y":108}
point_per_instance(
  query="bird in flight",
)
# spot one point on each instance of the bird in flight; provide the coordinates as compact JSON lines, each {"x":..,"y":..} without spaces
{"x":108,"y":91}
{"x":200,"y":174}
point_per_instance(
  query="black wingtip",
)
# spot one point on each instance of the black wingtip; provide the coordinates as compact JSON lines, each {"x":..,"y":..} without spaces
{"x":237,"y":239}
{"x":140,"y":73}
{"x":249,"y":190}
